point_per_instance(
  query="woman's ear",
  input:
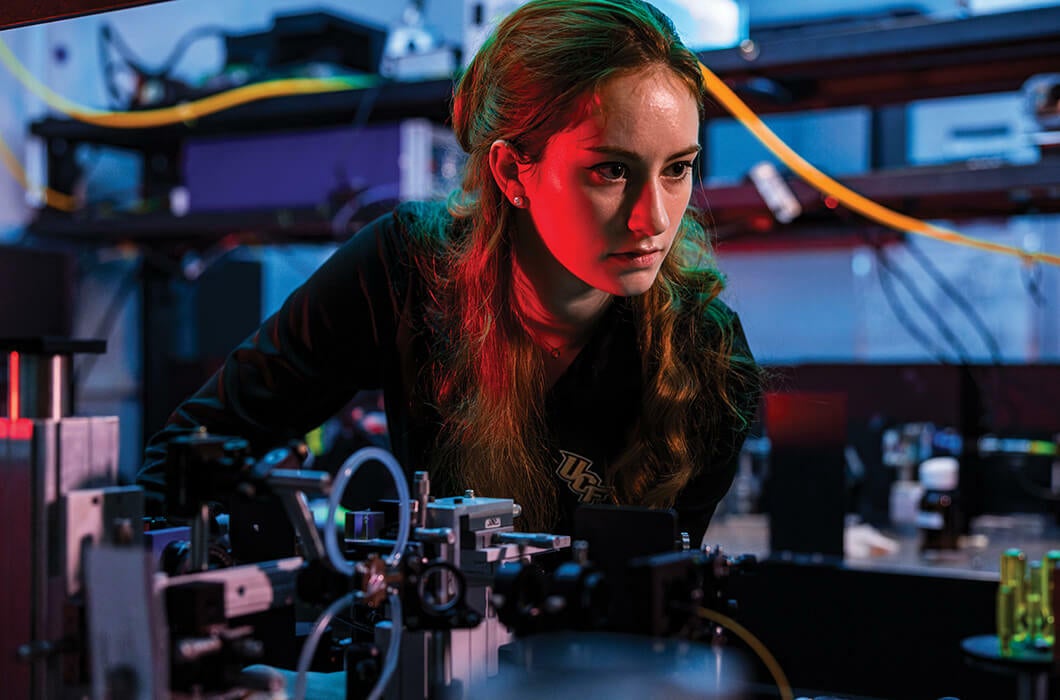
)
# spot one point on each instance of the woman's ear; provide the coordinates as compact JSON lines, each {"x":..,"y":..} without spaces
{"x":505,"y":165}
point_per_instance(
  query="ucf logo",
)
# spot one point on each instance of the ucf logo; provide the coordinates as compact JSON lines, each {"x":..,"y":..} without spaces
{"x":586,"y":484}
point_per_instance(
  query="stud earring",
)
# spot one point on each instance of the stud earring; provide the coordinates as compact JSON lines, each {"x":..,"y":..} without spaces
{"x":517,"y":201}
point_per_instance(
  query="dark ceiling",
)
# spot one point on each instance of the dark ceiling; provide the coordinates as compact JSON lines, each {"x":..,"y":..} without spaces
{"x":17,"y":13}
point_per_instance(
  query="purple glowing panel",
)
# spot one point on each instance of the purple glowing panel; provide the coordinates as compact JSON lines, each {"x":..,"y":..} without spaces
{"x":290,"y":168}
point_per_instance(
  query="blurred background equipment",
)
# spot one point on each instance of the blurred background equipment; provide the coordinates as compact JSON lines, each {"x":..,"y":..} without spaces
{"x":303,"y":40}
{"x":416,"y":51}
{"x":1043,"y":100}
{"x":480,"y":17}
{"x":775,"y":192}
{"x":311,"y":44}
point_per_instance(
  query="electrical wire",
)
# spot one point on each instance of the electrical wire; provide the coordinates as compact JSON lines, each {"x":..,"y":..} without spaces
{"x":849,"y":198}
{"x":390,"y":661}
{"x":928,"y":309}
{"x":203,"y":32}
{"x":756,"y":645}
{"x":355,"y":203}
{"x":365,"y":107}
{"x":1032,"y":281}
{"x":110,"y":38}
{"x":958,"y":299}
{"x":885,"y":265}
{"x":883,"y":274}
{"x":103,"y":43}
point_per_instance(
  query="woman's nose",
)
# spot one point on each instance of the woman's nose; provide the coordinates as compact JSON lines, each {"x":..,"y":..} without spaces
{"x":649,"y":217}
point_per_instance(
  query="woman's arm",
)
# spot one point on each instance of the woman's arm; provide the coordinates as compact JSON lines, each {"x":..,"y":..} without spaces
{"x":326,"y":342}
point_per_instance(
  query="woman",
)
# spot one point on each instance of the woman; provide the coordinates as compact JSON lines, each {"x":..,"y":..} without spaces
{"x":554,"y":334}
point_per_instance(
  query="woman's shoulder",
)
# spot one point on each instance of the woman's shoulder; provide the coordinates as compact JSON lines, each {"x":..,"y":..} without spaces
{"x":423,"y":222}
{"x":422,"y":210}
{"x":403,"y":235}
{"x":408,"y":222}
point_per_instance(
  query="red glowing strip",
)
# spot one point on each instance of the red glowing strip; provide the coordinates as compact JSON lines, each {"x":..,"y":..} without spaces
{"x":17,"y":429}
{"x":13,"y":427}
{"x":12,"y":388}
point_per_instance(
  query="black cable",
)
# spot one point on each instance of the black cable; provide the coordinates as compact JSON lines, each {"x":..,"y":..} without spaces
{"x":365,"y":106}
{"x":957,"y":298}
{"x":113,"y":39}
{"x":1001,"y":390}
{"x":1032,"y":282}
{"x":184,"y":43}
{"x":883,"y":272}
{"x":929,"y":310}
{"x":349,"y":209}
{"x":107,"y":65}
{"x":943,"y":327}
{"x":109,"y":38}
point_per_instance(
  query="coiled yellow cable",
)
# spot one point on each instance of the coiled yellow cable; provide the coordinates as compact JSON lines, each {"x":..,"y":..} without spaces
{"x":846,"y":196}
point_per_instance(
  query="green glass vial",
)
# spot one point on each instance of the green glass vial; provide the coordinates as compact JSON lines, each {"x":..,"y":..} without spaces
{"x":1047,"y":586}
{"x":1033,"y":608}
{"x":1014,"y":575}
{"x":1006,"y":618}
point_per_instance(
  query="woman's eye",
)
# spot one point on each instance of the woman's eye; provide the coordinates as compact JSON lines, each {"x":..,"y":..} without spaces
{"x":680,"y":170}
{"x":612,"y":171}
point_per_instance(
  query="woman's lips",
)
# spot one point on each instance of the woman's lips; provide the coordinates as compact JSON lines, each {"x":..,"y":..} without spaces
{"x":638,"y":258}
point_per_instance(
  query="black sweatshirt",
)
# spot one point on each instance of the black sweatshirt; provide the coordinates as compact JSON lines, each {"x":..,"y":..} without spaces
{"x":357,"y":324}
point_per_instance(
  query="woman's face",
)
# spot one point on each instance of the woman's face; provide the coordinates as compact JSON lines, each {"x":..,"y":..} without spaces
{"x":607,"y":195}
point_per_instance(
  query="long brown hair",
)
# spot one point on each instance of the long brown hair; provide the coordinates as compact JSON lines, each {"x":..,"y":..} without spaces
{"x":529,"y":81}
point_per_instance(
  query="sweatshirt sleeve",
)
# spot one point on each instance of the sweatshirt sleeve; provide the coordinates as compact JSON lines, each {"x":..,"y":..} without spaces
{"x":327,"y":341}
{"x":697,"y":502}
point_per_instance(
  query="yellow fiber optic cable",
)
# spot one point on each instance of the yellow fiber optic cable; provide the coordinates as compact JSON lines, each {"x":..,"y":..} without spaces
{"x":757,"y":646}
{"x":293,"y":86}
{"x":156,"y":117}
{"x":52,"y":198}
{"x":183,"y":112}
{"x":851,"y":199}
